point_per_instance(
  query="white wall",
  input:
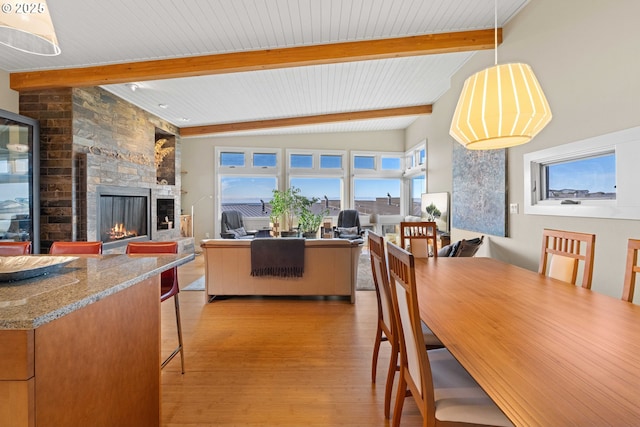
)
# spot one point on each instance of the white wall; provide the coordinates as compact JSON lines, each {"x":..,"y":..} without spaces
{"x":8,"y":97}
{"x":586,"y":56}
{"x":198,"y":162}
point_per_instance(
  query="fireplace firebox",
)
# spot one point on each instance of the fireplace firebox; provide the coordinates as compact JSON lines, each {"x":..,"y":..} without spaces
{"x":123,"y":215}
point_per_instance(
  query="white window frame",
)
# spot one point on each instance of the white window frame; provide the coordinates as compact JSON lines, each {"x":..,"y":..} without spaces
{"x":626,"y":146}
{"x":377,"y":170}
{"x":413,"y":154}
{"x":378,"y":173}
{"x":411,"y":172}
{"x":316,"y":171}
{"x":242,"y":171}
{"x":248,"y":168}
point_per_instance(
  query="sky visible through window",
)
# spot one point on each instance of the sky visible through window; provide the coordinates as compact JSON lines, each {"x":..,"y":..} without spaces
{"x":240,"y":189}
{"x":236,"y":189}
{"x":593,"y":174}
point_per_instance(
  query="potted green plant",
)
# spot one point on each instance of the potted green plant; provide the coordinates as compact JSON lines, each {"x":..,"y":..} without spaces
{"x":284,"y":207}
{"x":309,"y":222}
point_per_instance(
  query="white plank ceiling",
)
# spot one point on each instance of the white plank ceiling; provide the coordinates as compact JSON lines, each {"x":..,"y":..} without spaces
{"x":97,"y":32}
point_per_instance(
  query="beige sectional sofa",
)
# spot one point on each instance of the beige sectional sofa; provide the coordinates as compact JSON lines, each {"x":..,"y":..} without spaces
{"x":330,"y":268}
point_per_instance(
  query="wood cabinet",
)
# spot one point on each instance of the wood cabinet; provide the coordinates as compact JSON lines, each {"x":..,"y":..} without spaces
{"x":96,"y":366}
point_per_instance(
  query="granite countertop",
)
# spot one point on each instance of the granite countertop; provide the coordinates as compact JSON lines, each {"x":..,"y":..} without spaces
{"x":29,"y":303}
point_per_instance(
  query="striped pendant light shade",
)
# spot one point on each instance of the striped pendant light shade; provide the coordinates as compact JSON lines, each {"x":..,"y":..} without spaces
{"x":500,"y":107}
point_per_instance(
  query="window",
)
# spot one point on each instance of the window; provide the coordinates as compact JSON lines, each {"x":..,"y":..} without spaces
{"x":265,"y":160}
{"x":248,"y":160}
{"x":596,"y":177}
{"x":330,"y":161}
{"x":587,"y":178}
{"x":327,"y":191}
{"x":377,"y":196}
{"x":377,"y":183}
{"x":387,"y":164}
{"x":231,"y":159}
{"x":391,"y":163}
{"x":417,"y":187}
{"x":415,"y":177}
{"x":247,"y":194}
{"x":364,"y":162}
{"x":422,"y":156}
{"x":246,"y":178}
{"x":320,"y":174}
{"x":416,"y":157}
{"x":301,"y":161}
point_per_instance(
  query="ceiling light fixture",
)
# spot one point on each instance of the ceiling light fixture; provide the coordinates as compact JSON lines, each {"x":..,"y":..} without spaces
{"x":501,"y":106}
{"x":27,"y":27}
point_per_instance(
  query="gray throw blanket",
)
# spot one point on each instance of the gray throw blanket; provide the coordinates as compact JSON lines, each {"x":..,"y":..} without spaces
{"x":277,"y":257}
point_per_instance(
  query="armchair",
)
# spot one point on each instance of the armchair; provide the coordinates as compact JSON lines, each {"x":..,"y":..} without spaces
{"x":232,"y":226}
{"x":348,"y":225}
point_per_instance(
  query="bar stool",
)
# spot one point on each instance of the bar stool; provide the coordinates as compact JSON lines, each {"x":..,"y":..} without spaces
{"x":76,"y":248}
{"x":15,"y":248}
{"x":168,"y":285}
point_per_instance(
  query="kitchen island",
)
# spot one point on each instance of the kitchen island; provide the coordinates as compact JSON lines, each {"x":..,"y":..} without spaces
{"x":81,"y":346}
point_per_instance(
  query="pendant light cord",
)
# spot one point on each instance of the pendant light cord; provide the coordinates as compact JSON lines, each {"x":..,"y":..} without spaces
{"x":495,"y":30}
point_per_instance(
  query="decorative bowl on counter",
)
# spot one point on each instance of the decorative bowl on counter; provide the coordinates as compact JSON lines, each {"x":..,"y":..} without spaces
{"x":22,"y":267}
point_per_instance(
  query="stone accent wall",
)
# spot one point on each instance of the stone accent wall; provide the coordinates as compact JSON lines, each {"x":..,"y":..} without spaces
{"x":53,"y":110}
{"x":90,"y":137}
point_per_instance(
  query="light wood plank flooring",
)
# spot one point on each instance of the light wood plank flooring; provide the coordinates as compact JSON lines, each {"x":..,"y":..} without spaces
{"x":274,"y":362}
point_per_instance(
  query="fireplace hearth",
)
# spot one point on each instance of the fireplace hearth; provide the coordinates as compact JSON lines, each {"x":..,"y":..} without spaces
{"x":123,"y":215}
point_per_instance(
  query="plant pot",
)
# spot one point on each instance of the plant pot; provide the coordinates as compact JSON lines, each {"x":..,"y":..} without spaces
{"x":289,"y":234}
{"x":310,"y":234}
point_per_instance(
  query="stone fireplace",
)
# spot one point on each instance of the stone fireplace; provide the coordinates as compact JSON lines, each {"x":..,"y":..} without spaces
{"x":91,"y":140}
{"x":123,"y":215}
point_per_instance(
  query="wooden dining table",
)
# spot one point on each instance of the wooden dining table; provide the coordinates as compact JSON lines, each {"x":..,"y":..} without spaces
{"x":548,"y":353}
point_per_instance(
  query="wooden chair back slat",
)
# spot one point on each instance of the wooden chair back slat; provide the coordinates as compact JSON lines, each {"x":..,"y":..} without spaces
{"x":562,"y":252}
{"x":420,"y":238}
{"x":632,"y":268}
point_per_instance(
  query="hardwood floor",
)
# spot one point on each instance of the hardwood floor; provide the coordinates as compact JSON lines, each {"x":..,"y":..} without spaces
{"x":274,"y":362}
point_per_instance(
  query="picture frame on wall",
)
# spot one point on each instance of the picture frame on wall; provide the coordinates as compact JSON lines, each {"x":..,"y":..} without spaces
{"x":479,"y":190}
{"x":435,"y":207}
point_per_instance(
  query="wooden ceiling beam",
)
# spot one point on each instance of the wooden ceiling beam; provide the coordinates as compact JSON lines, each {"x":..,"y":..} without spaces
{"x":305,"y":120}
{"x":255,"y":60}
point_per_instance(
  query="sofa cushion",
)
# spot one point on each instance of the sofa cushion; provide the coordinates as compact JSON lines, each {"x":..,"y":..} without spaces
{"x":347,"y":232}
{"x":238,"y":232}
{"x":445,"y":251}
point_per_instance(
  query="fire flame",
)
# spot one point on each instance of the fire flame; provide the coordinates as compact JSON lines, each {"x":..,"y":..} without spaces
{"x":118,"y":232}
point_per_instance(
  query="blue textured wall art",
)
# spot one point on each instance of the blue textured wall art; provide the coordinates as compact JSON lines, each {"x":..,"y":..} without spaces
{"x":479,"y":199}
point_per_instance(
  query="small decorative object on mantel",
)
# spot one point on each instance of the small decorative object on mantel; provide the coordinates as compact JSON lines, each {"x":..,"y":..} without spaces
{"x":160,"y":152}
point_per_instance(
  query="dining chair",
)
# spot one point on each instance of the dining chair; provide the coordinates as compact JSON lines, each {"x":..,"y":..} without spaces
{"x":562,"y":252}
{"x":420,"y":238}
{"x":443,"y":390}
{"x":76,"y":248}
{"x":385,"y":325}
{"x":168,"y":285}
{"x":15,"y":248}
{"x":633,"y":245}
